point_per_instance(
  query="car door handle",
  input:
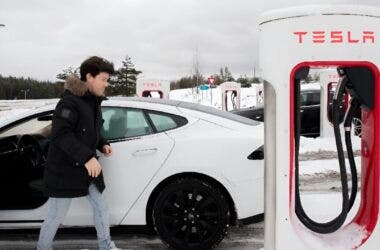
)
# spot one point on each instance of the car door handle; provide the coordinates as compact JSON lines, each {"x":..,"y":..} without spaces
{"x":144,"y":152}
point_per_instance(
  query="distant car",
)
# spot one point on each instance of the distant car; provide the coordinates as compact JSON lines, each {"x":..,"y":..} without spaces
{"x":310,"y":112}
{"x":187,"y":170}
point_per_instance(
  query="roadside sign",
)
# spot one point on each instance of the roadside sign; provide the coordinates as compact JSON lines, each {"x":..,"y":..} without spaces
{"x":211,"y":80}
{"x":204,"y":87}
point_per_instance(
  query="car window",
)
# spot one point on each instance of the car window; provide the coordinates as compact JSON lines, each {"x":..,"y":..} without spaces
{"x":310,"y":98}
{"x":30,"y":126}
{"x":122,"y":123}
{"x":163,"y":121}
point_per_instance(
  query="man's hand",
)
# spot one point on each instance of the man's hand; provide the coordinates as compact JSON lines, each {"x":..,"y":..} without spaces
{"x":107,"y":150}
{"x":93,"y":167}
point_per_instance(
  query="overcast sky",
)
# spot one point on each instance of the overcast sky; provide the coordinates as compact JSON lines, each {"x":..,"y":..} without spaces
{"x":43,"y":37}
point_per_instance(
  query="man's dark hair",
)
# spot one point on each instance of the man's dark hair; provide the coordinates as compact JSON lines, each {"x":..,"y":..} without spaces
{"x":95,"y":65}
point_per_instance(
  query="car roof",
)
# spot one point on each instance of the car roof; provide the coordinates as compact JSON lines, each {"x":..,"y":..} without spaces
{"x":123,"y":100}
{"x":189,"y":105}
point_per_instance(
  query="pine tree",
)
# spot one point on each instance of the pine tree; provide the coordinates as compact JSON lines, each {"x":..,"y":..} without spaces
{"x":228,"y":75}
{"x":244,"y":81}
{"x":225,"y":75}
{"x":221,"y":76}
{"x":66,"y":72}
{"x":124,"y":81}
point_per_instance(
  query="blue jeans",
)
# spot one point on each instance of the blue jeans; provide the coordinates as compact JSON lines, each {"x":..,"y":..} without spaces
{"x":58,"y":208}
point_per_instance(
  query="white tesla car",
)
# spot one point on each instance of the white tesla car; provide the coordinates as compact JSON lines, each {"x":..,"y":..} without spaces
{"x":187,"y":170}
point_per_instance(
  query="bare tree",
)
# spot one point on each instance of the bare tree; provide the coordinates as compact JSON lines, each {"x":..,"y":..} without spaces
{"x":196,"y":71}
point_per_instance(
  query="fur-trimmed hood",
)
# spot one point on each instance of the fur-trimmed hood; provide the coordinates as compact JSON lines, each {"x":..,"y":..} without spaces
{"x":75,"y":85}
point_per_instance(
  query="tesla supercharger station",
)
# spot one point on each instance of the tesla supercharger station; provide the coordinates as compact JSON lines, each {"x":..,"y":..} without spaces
{"x":153,"y":88}
{"x":291,"y":41}
{"x":230,"y":90}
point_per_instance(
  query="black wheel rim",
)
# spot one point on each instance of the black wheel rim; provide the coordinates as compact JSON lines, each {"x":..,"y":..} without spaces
{"x":191,"y":216}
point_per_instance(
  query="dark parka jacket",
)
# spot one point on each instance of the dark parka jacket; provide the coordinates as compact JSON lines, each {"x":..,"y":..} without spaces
{"x":75,"y":136}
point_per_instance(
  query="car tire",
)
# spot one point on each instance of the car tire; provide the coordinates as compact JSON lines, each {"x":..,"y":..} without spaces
{"x":191,"y":214}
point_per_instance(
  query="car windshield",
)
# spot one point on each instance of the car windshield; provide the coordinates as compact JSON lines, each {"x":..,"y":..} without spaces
{"x":31,"y":126}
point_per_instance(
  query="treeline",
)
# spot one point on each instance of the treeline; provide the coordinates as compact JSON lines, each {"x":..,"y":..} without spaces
{"x":28,"y":88}
{"x":122,"y":83}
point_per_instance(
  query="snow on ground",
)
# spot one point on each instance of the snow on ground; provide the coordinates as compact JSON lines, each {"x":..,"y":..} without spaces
{"x":324,"y":166}
{"x":15,"y":107}
{"x":325,"y":144}
{"x":323,"y":207}
{"x":6,"y":104}
{"x":213,"y":96}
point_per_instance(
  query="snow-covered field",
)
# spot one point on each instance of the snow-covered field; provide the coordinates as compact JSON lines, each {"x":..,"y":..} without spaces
{"x":15,"y":107}
{"x":213,"y":97}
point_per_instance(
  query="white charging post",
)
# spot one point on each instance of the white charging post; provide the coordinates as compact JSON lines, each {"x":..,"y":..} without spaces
{"x":229,"y":90}
{"x":316,"y":37}
{"x":153,"y":88}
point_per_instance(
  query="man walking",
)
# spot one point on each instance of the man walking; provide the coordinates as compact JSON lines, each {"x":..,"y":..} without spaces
{"x":72,"y":168}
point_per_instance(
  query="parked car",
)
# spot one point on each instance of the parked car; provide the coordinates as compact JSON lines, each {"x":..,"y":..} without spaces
{"x":309,"y":112}
{"x":187,"y":170}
